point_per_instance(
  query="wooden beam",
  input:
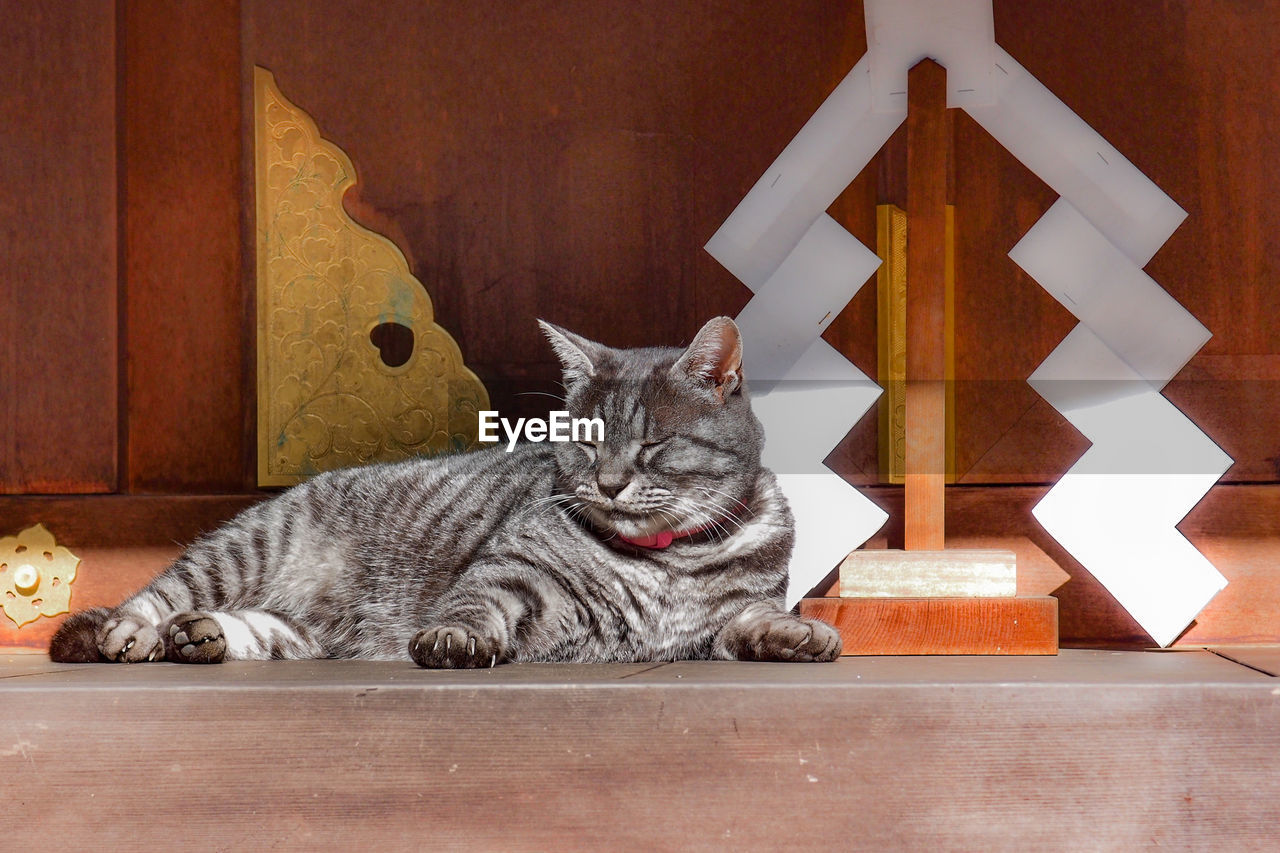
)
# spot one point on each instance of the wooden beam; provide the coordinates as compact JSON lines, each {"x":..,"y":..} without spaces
{"x":927,"y":155}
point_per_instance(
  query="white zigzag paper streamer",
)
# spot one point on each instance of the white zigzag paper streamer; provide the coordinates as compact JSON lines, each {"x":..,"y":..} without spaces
{"x":804,"y":268}
{"x":1116,"y":509}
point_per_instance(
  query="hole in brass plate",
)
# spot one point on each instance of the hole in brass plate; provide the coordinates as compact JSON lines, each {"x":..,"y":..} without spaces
{"x":394,"y":342}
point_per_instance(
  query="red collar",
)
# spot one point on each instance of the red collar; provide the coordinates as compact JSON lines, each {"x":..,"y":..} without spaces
{"x":658,"y":541}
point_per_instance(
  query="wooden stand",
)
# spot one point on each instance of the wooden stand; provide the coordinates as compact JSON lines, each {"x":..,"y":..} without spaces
{"x":941,"y":626}
{"x":927,"y":600}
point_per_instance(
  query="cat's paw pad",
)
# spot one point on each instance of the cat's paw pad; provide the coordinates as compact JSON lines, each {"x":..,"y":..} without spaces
{"x":129,"y":640}
{"x":453,"y":647}
{"x":194,"y":638}
{"x":795,"y":639}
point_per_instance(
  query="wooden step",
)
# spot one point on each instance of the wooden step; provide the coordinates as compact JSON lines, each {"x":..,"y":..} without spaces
{"x":941,"y":626}
{"x":1080,"y":751}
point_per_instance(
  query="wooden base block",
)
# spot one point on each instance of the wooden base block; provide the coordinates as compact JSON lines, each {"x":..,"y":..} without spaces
{"x":941,"y":626}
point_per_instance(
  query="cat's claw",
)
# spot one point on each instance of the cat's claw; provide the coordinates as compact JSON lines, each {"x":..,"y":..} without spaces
{"x":453,"y":647}
{"x":126,"y":640}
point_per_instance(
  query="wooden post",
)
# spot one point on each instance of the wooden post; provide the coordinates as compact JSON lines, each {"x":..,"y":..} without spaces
{"x":926,"y":418}
{"x":931,"y":600}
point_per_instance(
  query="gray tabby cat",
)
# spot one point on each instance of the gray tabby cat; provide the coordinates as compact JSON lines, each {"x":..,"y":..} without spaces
{"x":664,"y":541}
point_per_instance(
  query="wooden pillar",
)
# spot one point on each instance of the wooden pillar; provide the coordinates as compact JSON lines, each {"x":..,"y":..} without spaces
{"x":925,"y":456}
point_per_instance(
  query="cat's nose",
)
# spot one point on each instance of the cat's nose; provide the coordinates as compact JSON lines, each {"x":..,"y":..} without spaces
{"x":611,"y":487}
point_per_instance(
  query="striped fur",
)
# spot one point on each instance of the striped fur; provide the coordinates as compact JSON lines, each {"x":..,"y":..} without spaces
{"x":474,"y":559}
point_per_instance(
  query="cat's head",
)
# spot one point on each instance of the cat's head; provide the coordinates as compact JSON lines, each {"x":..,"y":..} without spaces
{"x":681,"y":447}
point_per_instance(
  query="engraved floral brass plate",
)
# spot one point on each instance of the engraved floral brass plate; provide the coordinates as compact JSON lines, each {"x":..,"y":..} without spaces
{"x":35,"y":575}
{"x":352,"y":367}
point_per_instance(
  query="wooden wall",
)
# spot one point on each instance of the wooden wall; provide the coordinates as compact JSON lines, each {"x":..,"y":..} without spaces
{"x":1185,"y":90}
{"x":188,"y":340}
{"x":568,"y":160}
{"x":58,"y":253}
{"x":561,"y":160}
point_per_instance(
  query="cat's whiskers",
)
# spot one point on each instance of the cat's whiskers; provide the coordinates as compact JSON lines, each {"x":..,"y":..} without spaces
{"x":553,"y":501}
{"x":713,"y":516}
{"x":541,"y":394}
{"x":721,"y":516}
{"x":703,"y":511}
{"x":730,"y":514}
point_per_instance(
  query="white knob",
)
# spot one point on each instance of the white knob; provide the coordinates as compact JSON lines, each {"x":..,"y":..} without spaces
{"x":26,"y":579}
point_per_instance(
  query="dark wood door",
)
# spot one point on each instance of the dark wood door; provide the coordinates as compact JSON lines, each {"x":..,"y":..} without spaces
{"x":58,"y":238}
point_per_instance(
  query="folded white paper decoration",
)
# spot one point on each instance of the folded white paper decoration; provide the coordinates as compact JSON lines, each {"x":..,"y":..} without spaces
{"x":1115,"y":510}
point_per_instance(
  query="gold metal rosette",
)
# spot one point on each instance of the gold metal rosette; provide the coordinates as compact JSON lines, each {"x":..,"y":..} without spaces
{"x":35,"y":575}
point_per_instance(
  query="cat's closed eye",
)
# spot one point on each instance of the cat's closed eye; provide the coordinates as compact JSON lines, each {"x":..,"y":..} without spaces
{"x":650,"y":447}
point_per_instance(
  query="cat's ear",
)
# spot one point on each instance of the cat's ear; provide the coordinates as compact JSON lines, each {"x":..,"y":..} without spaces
{"x":578,"y":356}
{"x":714,"y":359}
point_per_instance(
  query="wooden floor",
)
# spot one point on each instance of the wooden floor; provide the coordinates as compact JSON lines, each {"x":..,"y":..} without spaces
{"x":1086,"y":750}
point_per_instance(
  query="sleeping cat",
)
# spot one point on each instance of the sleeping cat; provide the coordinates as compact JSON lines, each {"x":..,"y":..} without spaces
{"x":664,"y":541}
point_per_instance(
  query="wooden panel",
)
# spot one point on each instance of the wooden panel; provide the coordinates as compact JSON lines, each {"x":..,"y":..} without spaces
{"x":928,"y":152}
{"x":1234,"y":398}
{"x":1006,"y":324}
{"x":577,"y":174}
{"x":122,"y":542}
{"x":58,"y":249}
{"x":560,"y":160}
{"x":940,"y":626}
{"x":1187,"y":96}
{"x":960,"y":753}
{"x":187,"y":341}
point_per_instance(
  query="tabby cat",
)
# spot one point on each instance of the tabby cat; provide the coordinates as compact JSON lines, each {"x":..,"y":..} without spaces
{"x":667,"y":540}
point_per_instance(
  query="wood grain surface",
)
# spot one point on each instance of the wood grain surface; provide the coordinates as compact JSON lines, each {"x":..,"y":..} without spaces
{"x":58,"y":294}
{"x":865,"y":753}
{"x":565,"y":160}
{"x":1183,"y":90}
{"x":187,"y":339}
{"x":1263,"y":658}
{"x":940,"y":626}
{"x":928,"y":155}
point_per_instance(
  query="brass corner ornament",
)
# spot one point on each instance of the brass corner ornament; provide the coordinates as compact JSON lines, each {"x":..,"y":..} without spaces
{"x":35,"y":575}
{"x":352,"y":367}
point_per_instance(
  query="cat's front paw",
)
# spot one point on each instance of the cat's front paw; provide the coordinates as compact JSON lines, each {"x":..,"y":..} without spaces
{"x":194,"y":638}
{"x":453,"y":647}
{"x":128,"y":640}
{"x":790,"y":638}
